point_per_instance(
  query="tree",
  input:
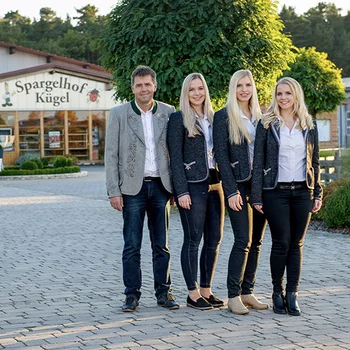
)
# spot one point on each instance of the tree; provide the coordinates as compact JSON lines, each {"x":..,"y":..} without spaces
{"x":323,"y":27}
{"x":90,"y":26}
{"x":87,"y":14}
{"x":48,"y":27}
{"x":320,"y":79}
{"x":214,"y":37}
{"x":298,"y":27}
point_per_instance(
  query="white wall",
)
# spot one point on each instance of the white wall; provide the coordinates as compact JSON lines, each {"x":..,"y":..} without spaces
{"x":18,"y":60}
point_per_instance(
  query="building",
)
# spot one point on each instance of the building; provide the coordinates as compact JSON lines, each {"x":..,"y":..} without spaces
{"x":52,"y":105}
{"x":334,"y":127}
{"x":344,"y":118}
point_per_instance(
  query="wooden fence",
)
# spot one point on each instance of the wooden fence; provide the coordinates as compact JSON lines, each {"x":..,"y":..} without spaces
{"x":330,"y":168}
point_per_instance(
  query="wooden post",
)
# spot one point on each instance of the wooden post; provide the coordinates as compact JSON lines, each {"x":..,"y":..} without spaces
{"x":90,"y":136}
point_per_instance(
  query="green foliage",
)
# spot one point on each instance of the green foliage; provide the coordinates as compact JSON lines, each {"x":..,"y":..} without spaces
{"x":49,"y":171}
{"x":176,"y":38}
{"x":60,"y":162}
{"x":52,"y":34}
{"x":345,"y":164}
{"x":69,"y":161}
{"x":320,"y":79}
{"x":44,"y":161}
{"x":29,"y":165}
{"x":326,"y":153}
{"x":13,"y":167}
{"x":26,"y":156}
{"x":38,"y":162}
{"x":323,"y":27}
{"x":328,"y":192}
{"x":338,"y":208}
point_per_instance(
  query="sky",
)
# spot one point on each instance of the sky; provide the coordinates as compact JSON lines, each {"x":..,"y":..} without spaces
{"x":62,"y":7}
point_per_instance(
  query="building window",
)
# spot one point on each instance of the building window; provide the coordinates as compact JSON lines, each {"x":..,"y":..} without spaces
{"x":7,"y":125}
{"x":29,"y":132}
{"x":54,"y":133}
{"x":78,"y":134}
{"x":98,"y":135}
{"x":324,"y":129}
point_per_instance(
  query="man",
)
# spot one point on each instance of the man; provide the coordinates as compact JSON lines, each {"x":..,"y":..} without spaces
{"x":138,"y":181}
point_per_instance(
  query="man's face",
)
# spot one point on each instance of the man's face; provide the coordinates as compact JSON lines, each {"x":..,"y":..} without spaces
{"x":143,"y":89}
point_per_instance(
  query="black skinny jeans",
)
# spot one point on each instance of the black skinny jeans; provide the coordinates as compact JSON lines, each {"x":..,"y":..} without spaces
{"x":204,"y":219}
{"x":288,"y":213}
{"x":248,"y":227}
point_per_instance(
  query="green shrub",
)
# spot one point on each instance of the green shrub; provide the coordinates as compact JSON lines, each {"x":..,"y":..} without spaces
{"x":328,"y":191}
{"x":29,"y":165}
{"x":69,"y":161}
{"x":75,"y":160}
{"x":44,"y":161}
{"x":345,"y":163}
{"x":49,"y":171}
{"x":38,"y":162}
{"x":13,"y":167}
{"x":26,"y":156}
{"x":337,"y":211}
{"x":59,"y":162}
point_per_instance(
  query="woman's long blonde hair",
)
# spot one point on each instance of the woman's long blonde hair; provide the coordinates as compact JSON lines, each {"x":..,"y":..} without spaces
{"x":300,"y":110}
{"x":188,"y":113}
{"x":237,"y":131}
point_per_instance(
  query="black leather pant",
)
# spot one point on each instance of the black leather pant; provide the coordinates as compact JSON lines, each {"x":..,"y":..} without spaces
{"x":248,"y":227}
{"x":288,"y":212}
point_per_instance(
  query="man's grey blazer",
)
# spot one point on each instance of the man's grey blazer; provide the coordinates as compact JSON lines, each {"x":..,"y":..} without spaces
{"x":125,"y":151}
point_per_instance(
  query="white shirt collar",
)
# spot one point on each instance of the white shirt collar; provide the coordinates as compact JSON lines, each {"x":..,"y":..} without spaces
{"x":245,"y":117}
{"x":141,"y":110}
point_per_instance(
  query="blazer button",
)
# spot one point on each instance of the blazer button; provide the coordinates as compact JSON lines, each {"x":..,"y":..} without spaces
{"x":132,"y":175}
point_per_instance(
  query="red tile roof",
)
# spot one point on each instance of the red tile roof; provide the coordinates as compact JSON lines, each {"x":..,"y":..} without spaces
{"x":55,"y":62}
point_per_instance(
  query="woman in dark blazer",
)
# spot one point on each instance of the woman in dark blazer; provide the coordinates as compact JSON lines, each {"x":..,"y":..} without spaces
{"x":234,"y":134}
{"x":197,"y":189}
{"x":286,"y":186}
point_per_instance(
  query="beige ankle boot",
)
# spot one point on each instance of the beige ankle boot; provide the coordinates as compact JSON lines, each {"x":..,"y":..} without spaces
{"x":251,"y":301}
{"x":236,"y":306}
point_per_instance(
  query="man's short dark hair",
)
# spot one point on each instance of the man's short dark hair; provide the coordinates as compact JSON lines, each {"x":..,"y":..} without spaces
{"x":142,"y":71}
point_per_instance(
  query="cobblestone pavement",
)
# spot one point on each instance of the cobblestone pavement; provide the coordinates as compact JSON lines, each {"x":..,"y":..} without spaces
{"x":61,"y":283}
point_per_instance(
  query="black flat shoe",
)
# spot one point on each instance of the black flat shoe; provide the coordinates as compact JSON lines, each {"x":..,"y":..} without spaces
{"x":279,"y":306}
{"x":213,"y":300}
{"x":200,"y":304}
{"x":292,"y":304}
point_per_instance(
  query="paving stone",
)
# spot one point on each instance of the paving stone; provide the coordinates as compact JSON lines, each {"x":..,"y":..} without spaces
{"x":61,"y":281}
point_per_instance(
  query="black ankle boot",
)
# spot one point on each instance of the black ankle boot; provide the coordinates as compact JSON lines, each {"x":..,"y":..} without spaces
{"x":278,"y":303}
{"x":292,"y":304}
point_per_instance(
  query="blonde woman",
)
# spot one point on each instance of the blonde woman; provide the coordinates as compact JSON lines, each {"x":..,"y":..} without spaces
{"x":234,"y":135}
{"x":197,"y":189}
{"x":286,"y":186}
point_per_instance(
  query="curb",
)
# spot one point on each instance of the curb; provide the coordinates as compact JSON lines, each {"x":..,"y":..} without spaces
{"x":44,"y":177}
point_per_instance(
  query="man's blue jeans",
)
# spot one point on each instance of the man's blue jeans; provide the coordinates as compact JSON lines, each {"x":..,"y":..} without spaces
{"x":153,"y":199}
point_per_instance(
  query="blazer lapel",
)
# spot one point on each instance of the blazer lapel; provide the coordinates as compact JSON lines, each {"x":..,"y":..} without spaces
{"x":305,"y":133}
{"x":276,"y":131}
{"x":135,"y":121}
{"x":199,"y":126}
{"x":159,"y":122}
